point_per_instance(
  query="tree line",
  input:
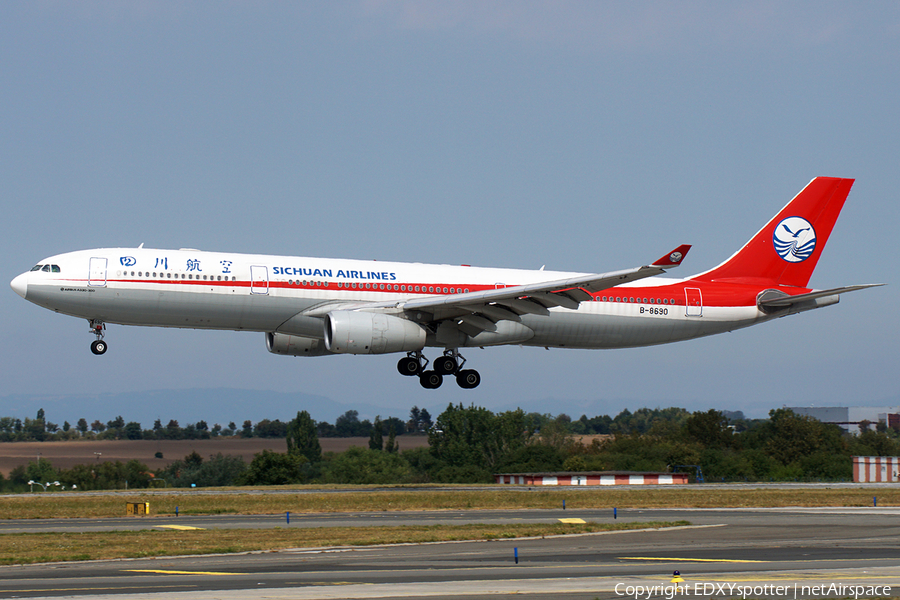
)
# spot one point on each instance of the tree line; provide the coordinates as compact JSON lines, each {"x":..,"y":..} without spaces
{"x":470,"y":444}
{"x":40,"y":429}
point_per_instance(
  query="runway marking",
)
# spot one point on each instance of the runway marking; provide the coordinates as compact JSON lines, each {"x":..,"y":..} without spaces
{"x":104,"y":589}
{"x":573,"y":521}
{"x":164,"y":572}
{"x":667,"y":559}
{"x":178,"y":527}
{"x":794,"y":576}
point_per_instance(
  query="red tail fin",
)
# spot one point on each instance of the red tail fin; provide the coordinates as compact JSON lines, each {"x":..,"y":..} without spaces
{"x":786,"y":250}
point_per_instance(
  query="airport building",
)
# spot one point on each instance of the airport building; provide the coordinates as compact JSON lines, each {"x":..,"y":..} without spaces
{"x":876,"y":469}
{"x":848,"y":418}
{"x":592,"y":478}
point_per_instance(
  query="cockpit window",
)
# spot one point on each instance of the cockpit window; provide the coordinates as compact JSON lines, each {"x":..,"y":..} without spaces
{"x":54,"y":268}
{"x":36,"y":267}
{"x":46,"y":268}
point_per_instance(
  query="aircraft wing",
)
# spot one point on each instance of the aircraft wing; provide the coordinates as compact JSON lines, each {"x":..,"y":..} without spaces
{"x":479,"y":311}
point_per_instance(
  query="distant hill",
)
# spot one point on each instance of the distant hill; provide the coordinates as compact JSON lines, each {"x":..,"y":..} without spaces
{"x":213,"y":405}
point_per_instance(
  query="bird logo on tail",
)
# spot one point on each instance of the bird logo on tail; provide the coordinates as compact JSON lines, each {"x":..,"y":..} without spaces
{"x":794,"y":239}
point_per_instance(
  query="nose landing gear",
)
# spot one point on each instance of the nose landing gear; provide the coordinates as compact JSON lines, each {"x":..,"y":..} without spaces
{"x":98,"y":346}
{"x":450,"y":363}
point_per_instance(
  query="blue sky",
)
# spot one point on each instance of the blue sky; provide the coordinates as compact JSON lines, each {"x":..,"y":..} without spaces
{"x":582,"y":136}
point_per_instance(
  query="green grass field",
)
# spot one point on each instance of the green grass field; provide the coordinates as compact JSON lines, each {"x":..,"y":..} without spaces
{"x":245,"y":501}
{"x":56,"y":547}
{"x":49,"y":547}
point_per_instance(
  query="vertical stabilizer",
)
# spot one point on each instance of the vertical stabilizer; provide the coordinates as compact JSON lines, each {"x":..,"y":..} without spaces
{"x":786,"y":250}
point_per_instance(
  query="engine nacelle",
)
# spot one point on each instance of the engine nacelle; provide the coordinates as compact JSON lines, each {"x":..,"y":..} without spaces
{"x":294,"y":345}
{"x":352,"y":332}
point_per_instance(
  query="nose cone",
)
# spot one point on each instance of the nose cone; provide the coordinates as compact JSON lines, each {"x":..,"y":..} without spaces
{"x":20,"y":284}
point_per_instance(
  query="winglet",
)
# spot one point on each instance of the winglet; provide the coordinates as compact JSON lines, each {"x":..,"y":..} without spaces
{"x":673,"y":258}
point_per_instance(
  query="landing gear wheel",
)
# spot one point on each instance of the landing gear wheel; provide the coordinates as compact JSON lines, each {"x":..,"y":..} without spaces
{"x":409,"y":366}
{"x":98,"y":347}
{"x":445,"y":365}
{"x":468,"y":379}
{"x":431,"y":380}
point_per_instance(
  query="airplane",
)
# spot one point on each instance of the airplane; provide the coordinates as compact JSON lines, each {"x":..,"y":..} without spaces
{"x":319,"y":306}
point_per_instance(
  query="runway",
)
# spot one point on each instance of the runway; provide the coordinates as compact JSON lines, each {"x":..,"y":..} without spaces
{"x":783,"y":547}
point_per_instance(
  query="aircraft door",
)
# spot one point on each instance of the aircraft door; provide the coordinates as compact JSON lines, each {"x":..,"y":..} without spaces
{"x":259,"y":279}
{"x":694,"y":302}
{"x":97,"y":272}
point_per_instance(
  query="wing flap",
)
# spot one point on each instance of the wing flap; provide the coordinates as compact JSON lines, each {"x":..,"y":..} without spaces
{"x":479,"y":322}
{"x":498,"y":313}
{"x":551,"y":299}
{"x":523,"y":307}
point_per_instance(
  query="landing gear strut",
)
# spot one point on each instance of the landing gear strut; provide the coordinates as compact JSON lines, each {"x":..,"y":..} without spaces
{"x":451,"y":363}
{"x":98,"y":346}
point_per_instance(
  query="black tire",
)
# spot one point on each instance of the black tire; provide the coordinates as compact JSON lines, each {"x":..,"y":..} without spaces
{"x":98,"y":347}
{"x":431,"y":380}
{"x":409,"y":366}
{"x":445,"y":365}
{"x":468,"y":379}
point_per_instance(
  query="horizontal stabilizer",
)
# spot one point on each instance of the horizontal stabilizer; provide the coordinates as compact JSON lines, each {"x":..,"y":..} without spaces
{"x":779,"y":299}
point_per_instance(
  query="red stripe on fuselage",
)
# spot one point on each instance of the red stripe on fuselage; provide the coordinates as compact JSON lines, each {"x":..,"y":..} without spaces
{"x":713,"y":293}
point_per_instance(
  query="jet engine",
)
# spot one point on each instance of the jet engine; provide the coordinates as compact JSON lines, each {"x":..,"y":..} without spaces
{"x":352,"y":332}
{"x":294,"y":345}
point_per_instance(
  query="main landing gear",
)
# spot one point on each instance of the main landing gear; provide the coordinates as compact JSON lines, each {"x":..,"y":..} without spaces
{"x":451,"y":363}
{"x":98,"y":346}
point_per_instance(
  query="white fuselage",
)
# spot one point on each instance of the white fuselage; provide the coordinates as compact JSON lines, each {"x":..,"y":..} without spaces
{"x":243,"y":292}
